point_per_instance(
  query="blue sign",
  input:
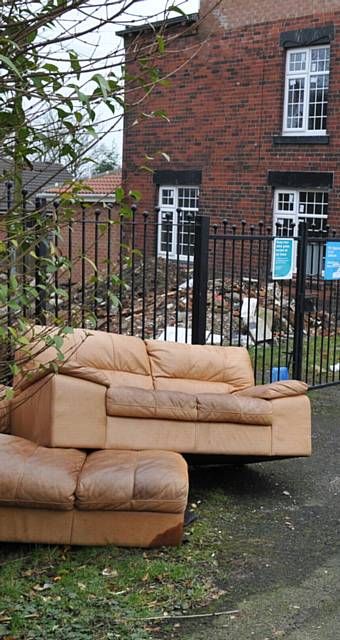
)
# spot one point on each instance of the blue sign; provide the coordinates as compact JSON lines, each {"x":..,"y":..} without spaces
{"x":332,"y":261}
{"x":283,"y":258}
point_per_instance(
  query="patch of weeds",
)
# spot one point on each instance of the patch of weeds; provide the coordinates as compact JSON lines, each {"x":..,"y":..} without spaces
{"x":102,"y":593}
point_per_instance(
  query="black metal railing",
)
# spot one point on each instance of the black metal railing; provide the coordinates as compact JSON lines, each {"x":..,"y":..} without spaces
{"x":191,"y":282}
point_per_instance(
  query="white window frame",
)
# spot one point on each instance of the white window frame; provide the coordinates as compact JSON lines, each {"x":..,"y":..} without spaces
{"x":307,"y":74}
{"x":296,"y":214}
{"x":173,"y":210}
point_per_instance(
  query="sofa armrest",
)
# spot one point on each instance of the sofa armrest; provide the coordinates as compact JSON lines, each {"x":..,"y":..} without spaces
{"x":61,"y":411}
{"x":275,"y":390}
{"x":291,"y":426}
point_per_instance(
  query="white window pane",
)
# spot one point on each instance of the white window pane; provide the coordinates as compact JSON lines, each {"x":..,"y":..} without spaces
{"x":166,"y":231}
{"x":306,"y":96}
{"x":318,"y":103}
{"x":167,"y":197}
{"x":286,"y":201}
{"x":284,"y":227}
{"x":188,"y":198}
{"x":296,"y":99}
{"x":186,"y":237}
{"x":297,"y":61}
{"x":177,"y":221}
{"x":320,"y":60}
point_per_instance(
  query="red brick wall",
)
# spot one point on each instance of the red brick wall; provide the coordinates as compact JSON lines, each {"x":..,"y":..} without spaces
{"x":226,"y":104}
{"x":87,"y":230}
{"x":230,"y":14}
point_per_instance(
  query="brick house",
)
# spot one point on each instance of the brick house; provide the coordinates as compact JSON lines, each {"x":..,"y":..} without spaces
{"x":90,"y":233}
{"x":254,"y":110}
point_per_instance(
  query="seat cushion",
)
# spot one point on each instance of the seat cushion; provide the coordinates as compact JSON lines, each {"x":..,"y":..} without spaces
{"x":37,"y":477}
{"x":199,"y":368}
{"x":133,"y":481}
{"x":219,"y":407}
{"x":141,"y":403}
{"x":195,"y":407}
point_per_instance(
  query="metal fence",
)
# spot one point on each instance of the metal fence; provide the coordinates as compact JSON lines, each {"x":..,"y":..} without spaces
{"x":122,"y":274}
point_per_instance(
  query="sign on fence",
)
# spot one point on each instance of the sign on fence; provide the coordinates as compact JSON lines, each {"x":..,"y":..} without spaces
{"x":283,"y":258}
{"x":332,"y":261}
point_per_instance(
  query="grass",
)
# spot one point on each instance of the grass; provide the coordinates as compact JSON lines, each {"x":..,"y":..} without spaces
{"x":102,"y":593}
{"x":318,"y":349}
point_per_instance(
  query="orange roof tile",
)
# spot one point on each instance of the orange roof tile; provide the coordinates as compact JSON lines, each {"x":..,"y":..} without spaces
{"x":104,"y":184}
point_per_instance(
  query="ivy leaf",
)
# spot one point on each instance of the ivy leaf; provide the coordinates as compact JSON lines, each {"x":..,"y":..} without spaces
{"x":102,"y":84}
{"x":119,"y":193}
{"x":175,"y":9}
{"x":51,"y":67}
{"x":75,"y":64}
{"x":161,"y":43}
{"x":8,"y":63}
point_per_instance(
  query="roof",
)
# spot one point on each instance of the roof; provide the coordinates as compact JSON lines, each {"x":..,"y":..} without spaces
{"x":40,"y":178}
{"x":105,"y":183}
{"x":152,"y":26}
{"x":98,"y":188}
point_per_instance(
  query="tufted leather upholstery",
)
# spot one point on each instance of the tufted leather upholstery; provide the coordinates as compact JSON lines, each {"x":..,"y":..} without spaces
{"x":196,"y":368}
{"x":37,"y":477}
{"x":135,"y":498}
{"x":174,"y":405}
{"x":120,"y":392}
{"x":133,"y":481}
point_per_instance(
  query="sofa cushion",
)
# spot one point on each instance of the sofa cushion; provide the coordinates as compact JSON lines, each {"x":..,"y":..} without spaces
{"x":142,"y":403}
{"x":274,"y":390}
{"x":199,"y":368}
{"x":218,"y":407}
{"x":37,"y":477}
{"x":196,"y":407}
{"x":133,"y":481}
{"x":97,"y":356}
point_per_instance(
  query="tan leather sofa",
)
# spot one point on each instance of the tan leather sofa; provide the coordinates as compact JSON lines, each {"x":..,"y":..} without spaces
{"x":66,"y":496}
{"x":123,"y":393}
{"x":91,"y":451}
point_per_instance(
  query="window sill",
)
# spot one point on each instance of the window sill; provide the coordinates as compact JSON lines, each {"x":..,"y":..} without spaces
{"x":304,"y":139}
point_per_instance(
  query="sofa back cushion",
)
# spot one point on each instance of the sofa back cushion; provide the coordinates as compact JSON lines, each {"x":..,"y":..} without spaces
{"x":105,"y":358}
{"x":199,"y":368}
{"x":120,"y":360}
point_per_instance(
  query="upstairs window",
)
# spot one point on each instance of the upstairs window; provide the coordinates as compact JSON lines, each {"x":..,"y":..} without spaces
{"x":306,"y":91}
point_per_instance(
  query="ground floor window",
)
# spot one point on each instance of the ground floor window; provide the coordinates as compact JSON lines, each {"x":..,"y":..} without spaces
{"x":291,"y":208}
{"x":178,"y":208}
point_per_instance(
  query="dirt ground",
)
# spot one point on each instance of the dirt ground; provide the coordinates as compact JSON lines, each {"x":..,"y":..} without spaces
{"x":278,"y":557}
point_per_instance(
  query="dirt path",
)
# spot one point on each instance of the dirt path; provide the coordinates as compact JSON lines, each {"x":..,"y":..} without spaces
{"x":279,"y":553}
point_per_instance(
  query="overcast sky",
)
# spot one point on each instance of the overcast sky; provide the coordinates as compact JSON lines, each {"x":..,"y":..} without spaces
{"x":106,"y":41}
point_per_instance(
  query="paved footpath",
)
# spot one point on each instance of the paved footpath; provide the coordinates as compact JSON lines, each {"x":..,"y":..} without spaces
{"x":284,"y":572}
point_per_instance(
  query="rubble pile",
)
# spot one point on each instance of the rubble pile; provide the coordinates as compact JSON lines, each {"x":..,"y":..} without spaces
{"x":245,"y":313}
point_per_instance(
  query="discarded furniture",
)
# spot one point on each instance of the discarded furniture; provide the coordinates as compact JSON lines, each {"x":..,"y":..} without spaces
{"x":120,"y":392}
{"x":90,"y":449}
{"x":66,"y":496}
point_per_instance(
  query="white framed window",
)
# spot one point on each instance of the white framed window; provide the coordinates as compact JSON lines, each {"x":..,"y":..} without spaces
{"x":306,"y":91}
{"x":291,"y":207}
{"x":178,"y":208}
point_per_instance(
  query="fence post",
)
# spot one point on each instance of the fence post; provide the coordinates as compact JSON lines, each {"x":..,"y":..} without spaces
{"x":40,"y":268}
{"x":200,"y":285}
{"x":300,"y":302}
